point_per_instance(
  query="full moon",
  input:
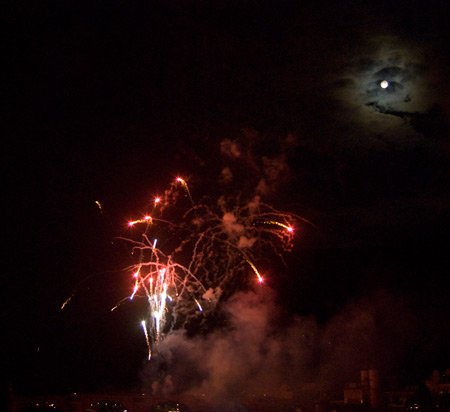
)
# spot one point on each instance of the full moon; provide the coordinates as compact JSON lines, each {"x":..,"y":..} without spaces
{"x":384,"y":84}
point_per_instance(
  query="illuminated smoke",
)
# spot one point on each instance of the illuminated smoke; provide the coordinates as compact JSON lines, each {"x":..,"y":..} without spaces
{"x":261,"y":350}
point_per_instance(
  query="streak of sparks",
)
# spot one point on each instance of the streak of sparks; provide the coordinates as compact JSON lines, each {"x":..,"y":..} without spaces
{"x":67,"y":301}
{"x":136,"y":287}
{"x":184,"y":184}
{"x":147,"y":340}
{"x":147,"y":219}
{"x":260,"y":279}
{"x":198,"y":305}
{"x":273,"y":222}
{"x":99,"y":206}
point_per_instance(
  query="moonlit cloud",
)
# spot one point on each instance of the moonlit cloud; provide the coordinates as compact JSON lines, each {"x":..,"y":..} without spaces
{"x":415,"y":85}
{"x":406,"y":74}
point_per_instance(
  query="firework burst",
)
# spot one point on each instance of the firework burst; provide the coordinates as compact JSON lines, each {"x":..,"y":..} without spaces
{"x":204,"y":253}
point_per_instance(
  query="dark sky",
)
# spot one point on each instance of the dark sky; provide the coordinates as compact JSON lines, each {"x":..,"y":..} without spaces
{"x":281,"y":100}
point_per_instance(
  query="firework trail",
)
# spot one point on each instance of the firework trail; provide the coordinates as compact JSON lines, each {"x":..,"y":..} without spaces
{"x":204,"y":254}
{"x":184,"y":184}
{"x":99,"y":205}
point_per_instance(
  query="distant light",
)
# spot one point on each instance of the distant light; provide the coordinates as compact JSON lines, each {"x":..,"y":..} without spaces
{"x":384,"y":84}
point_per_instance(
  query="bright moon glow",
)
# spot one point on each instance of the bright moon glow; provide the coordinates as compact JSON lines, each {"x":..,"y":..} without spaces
{"x":384,"y":84}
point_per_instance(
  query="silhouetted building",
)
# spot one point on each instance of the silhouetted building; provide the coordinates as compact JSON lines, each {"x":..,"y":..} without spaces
{"x":367,"y":392}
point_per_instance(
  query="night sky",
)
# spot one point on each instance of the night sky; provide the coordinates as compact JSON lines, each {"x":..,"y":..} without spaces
{"x":111,"y":101}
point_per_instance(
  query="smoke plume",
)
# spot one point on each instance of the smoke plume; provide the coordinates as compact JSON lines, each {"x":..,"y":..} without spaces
{"x":260,"y":351}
